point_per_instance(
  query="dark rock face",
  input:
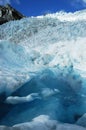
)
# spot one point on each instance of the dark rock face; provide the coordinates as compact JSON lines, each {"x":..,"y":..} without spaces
{"x":8,"y":13}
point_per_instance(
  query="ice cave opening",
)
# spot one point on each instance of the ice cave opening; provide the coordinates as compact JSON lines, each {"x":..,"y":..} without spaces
{"x":45,"y":94}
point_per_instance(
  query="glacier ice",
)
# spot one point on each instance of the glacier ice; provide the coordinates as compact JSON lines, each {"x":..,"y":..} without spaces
{"x":43,"y":72}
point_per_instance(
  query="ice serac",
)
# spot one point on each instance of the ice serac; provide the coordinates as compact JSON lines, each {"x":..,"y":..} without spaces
{"x":8,"y":13}
{"x":43,"y":72}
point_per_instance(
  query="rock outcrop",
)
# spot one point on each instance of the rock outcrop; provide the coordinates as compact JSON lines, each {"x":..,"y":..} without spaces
{"x":8,"y":13}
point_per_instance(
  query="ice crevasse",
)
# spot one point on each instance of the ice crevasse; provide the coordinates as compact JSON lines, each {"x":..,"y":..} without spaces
{"x":43,"y":72}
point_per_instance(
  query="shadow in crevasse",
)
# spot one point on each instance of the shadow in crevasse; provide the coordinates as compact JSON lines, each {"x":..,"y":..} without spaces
{"x":4,"y":108}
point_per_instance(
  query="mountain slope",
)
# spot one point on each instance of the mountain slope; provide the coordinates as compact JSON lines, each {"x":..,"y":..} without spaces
{"x":8,"y":13}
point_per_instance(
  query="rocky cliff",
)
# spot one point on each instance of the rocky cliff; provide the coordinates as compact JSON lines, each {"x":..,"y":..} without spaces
{"x":8,"y":13}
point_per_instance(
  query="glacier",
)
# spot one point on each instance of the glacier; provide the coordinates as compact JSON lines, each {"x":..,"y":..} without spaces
{"x":43,"y":72}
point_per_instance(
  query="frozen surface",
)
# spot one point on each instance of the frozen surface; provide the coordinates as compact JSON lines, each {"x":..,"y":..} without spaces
{"x":43,"y":72}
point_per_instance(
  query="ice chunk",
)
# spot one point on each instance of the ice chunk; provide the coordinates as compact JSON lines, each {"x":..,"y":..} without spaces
{"x":49,"y":92}
{"x":82,"y":121}
{"x":17,"y":100}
